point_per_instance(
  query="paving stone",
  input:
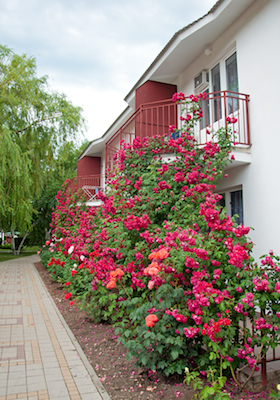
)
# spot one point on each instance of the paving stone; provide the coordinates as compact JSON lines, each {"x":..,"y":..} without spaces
{"x":34,"y":335}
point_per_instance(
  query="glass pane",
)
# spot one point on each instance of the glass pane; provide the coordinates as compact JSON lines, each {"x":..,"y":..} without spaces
{"x":222,"y":201}
{"x":232,"y":83}
{"x":237,"y":205}
{"x":205,"y":108}
{"x":232,"y":77}
{"x":216,"y":85}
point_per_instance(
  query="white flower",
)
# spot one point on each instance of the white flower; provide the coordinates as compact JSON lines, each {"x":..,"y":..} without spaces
{"x":278,"y":387}
{"x":187,"y":371}
{"x":74,"y":266}
{"x":82,"y":258}
{"x":70,"y":250}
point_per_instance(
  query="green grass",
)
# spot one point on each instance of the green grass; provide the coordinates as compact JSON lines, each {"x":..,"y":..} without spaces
{"x":7,"y":255}
{"x":10,"y":256}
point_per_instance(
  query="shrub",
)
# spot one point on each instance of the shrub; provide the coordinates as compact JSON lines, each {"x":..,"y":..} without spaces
{"x":162,"y":259}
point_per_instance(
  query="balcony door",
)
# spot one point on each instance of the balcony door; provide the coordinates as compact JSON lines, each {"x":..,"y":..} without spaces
{"x":232,"y":85}
{"x":222,"y":97}
{"x":216,"y":87}
{"x":211,"y":106}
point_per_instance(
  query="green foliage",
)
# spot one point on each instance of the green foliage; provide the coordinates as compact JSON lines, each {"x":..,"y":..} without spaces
{"x":15,"y":184}
{"x":212,"y":391}
{"x":5,"y":246}
{"x":161,"y":259}
{"x":34,"y":122}
{"x":274,"y":394}
{"x":64,"y":167}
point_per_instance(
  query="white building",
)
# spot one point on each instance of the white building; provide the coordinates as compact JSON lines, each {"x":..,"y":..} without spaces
{"x":233,"y":48}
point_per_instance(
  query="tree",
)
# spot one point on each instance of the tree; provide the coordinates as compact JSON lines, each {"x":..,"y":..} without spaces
{"x":64,"y":168}
{"x":34,"y":122}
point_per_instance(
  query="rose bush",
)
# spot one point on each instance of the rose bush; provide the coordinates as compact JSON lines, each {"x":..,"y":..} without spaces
{"x":162,"y":260}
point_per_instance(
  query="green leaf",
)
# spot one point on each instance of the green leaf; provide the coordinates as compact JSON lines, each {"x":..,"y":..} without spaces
{"x":174,"y":354}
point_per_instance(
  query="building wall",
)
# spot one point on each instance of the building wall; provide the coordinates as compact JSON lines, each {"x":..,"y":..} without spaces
{"x":88,"y":166}
{"x":103,"y":163}
{"x":255,"y":37}
{"x":152,"y":91}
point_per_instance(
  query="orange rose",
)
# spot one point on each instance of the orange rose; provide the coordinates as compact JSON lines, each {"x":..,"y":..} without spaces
{"x":113,"y":274}
{"x":163,"y":253}
{"x":111,"y":284}
{"x":153,"y":268}
{"x":150,"y":320}
{"x":159,"y":255}
{"x":117,"y":273}
{"x":152,"y":256}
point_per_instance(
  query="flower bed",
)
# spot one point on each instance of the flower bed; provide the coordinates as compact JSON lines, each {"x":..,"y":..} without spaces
{"x":162,"y":260}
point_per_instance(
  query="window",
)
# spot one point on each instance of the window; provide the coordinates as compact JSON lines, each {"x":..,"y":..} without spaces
{"x":223,"y":77}
{"x":232,"y":200}
{"x":205,"y":108}
{"x":216,"y":87}
{"x":222,"y":201}
{"x":231,"y":73}
{"x":237,"y":205}
{"x":232,"y":83}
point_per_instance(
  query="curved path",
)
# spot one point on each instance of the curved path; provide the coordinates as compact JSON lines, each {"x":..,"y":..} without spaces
{"x":40,"y":358}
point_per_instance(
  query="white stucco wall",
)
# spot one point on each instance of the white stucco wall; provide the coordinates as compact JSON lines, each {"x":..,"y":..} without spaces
{"x":255,"y":35}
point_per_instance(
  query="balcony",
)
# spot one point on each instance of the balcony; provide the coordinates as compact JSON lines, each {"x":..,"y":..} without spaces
{"x":154,"y":119}
{"x":148,"y":120}
{"x":217,"y":108}
{"x":90,"y":185}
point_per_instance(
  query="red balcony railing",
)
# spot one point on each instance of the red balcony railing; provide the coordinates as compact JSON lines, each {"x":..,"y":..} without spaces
{"x":148,"y":120}
{"x":154,"y":119}
{"x":90,"y":184}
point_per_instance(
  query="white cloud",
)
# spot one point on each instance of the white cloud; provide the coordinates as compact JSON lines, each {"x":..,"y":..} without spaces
{"x":94,"y":51}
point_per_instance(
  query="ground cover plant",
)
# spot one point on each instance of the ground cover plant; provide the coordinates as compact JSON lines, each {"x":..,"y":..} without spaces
{"x":161,"y":259}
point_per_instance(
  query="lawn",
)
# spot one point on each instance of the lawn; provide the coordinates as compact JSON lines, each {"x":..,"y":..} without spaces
{"x":6,"y":254}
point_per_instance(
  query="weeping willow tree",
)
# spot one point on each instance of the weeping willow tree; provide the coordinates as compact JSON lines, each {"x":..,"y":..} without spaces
{"x":64,"y":168}
{"x":34,"y":123}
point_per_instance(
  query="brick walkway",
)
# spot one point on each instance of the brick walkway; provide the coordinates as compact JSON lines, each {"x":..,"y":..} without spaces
{"x":39,"y":357}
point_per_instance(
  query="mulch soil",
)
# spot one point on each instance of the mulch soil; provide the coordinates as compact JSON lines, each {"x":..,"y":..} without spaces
{"x":119,"y":377}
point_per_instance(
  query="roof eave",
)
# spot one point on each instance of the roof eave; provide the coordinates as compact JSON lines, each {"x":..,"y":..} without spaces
{"x":186,"y":34}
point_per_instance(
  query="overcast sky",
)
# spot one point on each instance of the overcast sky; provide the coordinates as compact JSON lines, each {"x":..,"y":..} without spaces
{"x":94,"y":51}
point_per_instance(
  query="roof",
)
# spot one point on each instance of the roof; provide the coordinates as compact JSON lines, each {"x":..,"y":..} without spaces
{"x":191,"y":40}
{"x":181,"y":50}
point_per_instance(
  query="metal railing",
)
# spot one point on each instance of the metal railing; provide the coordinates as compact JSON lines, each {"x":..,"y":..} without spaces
{"x":217,"y":109}
{"x":154,"y":119}
{"x":148,"y":120}
{"x":90,"y":184}
{"x":267,"y":354}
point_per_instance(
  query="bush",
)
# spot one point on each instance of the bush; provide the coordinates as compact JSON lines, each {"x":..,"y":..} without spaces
{"x":6,"y":246}
{"x":162,"y":259}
